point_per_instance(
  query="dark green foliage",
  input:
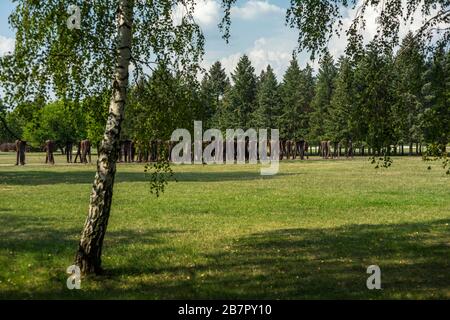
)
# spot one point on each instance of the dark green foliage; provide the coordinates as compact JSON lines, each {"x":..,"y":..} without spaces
{"x":342,"y":113}
{"x":374,"y":98}
{"x":9,"y":126}
{"x":409,"y":68}
{"x":436,"y":91}
{"x":385,"y":161}
{"x":267,"y":111}
{"x":240,"y":101}
{"x":297,"y":92}
{"x":322,"y":99}
{"x":160,"y":104}
{"x":213,"y":87}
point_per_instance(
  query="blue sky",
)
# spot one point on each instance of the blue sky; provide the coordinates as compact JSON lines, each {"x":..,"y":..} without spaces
{"x":258,"y":29}
{"x":6,"y":7}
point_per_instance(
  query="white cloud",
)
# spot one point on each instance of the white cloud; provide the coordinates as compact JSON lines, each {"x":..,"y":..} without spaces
{"x":274,"y":51}
{"x":206,"y":13}
{"x":6,"y":45}
{"x":254,"y":9}
{"x":269,"y":51}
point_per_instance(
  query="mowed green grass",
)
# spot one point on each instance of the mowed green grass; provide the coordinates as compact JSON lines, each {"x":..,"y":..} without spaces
{"x":226,"y":232}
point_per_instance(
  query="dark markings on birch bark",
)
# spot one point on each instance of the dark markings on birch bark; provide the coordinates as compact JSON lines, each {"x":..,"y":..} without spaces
{"x":88,"y":257}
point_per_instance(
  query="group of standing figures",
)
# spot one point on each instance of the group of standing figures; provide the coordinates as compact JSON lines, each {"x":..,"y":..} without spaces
{"x":155,"y":150}
{"x":83,"y":154}
{"x":83,"y":151}
{"x":159,"y":149}
{"x":290,"y":149}
{"x":50,"y":146}
{"x":325,"y":149}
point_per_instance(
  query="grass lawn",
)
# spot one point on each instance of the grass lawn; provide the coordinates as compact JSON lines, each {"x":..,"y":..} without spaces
{"x":227,"y":232}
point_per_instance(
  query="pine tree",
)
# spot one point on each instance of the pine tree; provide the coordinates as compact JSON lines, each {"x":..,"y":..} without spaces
{"x":240,"y":100}
{"x":267,"y":112}
{"x":260,"y":79}
{"x":340,"y":125}
{"x":213,"y":88}
{"x":408,"y":82}
{"x":297,"y":91}
{"x":291,"y":97}
{"x":374,"y":98}
{"x":322,"y":99}
{"x":436,"y":90}
{"x":307,"y":90}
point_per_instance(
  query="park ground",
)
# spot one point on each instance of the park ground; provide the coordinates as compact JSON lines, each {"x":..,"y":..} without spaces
{"x":226,"y":232}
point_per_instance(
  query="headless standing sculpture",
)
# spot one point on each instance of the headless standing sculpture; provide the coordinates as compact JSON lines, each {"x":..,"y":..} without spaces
{"x":20,"y":152}
{"x":49,"y":148}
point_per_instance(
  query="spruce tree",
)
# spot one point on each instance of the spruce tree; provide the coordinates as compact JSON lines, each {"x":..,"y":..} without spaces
{"x":322,"y":99}
{"x":240,"y":100}
{"x":291,"y":98}
{"x":307,"y":90}
{"x":267,"y":112}
{"x":436,"y":90}
{"x":408,"y":82}
{"x":213,"y":88}
{"x":340,"y":123}
{"x":374,"y":98}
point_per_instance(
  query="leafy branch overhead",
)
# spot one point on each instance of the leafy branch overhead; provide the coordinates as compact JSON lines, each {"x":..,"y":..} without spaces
{"x":77,"y":63}
{"x":435,"y":153}
{"x":318,"y":20}
{"x":160,"y":174}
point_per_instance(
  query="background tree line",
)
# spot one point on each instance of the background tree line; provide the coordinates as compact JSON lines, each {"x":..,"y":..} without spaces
{"x":376,"y":99}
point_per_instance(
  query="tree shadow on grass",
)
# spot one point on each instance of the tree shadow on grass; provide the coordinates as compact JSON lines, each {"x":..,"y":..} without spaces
{"x":332,"y":263}
{"x":317,"y":264}
{"x":34,"y":178}
{"x":47,"y":248}
{"x":31,"y":234}
{"x":277,"y":264}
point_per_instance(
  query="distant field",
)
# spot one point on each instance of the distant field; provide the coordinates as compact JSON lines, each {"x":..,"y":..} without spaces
{"x":226,"y":232}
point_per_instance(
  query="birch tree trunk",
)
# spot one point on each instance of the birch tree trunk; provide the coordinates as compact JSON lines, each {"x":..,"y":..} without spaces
{"x":88,"y":257}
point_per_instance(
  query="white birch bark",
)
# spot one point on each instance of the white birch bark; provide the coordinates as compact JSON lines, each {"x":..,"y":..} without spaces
{"x":88,"y":257}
